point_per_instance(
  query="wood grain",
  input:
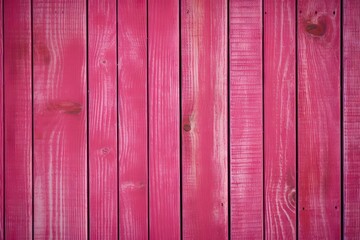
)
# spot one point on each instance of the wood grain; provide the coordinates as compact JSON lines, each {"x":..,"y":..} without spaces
{"x":351,"y":111}
{"x":60,"y":148}
{"x":164,"y":119}
{"x":133,"y":159}
{"x":204,"y":119}
{"x":319,"y":206}
{"x":18,"y":119}
{"x":2,"y":124}
{"x":102,"y":119}
{"x":279,"y":119}
{"x":246,"y":127}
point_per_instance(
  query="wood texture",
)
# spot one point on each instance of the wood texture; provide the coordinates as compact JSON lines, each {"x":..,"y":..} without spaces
{"x":18,"y":119}
{"x":133,"y":175}
{"x":164,"y":119}
{"x":60,"y":148}
{"x":319,"y":206}
{"x":246,"y":127}
{"x":2,"y":126}
{"x":102,"y":119}
{"x":351,"y":111}
{"x":279,"y":119}
{"x":204,"y":119}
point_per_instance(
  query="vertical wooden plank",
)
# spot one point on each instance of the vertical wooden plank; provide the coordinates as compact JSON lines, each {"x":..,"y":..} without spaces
{"x":164,"y":119}
{"x":60,"y":164}
{"x":133,"y":158}
{"x":351,"y":90}
{"x":2,"y":142}
{"x":319,"y":119}
{"x":279,"y":119}
{"x":18,"y":119}
{"x":204,"y":119}
{"x":102,"y":119}
{"x":246,"y":127}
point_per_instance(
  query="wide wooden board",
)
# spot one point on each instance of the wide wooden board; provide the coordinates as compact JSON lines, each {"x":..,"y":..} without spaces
{"x":60,"y":120}
{"x":279,"y":119}
{"x":204,"y":119}
{"x":102,"y":116}
{"x":18,"y":119}
{"x":319,"y":206}
{"x":133,"y":158}
{"x":164,"y":119}
{"x":246,"y":125}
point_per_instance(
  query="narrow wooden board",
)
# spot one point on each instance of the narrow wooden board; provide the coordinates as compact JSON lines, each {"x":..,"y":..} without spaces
{"x":18,"y":119}
{"x":246,"y":126}
{"x":133,"y":158}
{"x":60,"y":148}
{"x":2,"y":142}
{"x":102,"y":119}
{"x":204,"y":119}
{"x":319,"y":206}
{"x":164,"y":119}
{"x":279,"y":119}
{"x":351,"y":134}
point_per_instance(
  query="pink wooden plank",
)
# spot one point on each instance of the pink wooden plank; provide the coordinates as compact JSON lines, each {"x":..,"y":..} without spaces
{"x":319,"y":205}
{"x":279,"y":121}
{"x":60,"y":163}
{"x":18,"y":119}
{"x":102,"y":119}
{"x":132,"y":95}
{"x":246,"y":139}
{"x":351,"y":57}
{"x":164,"y":119}
{"x":204,"y":119}
{"x":2,"y":142}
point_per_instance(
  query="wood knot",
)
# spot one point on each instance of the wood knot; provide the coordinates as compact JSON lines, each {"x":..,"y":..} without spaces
{"x":187,"y":127}
{"x":105,"y":150}
{"x":316,"y":29}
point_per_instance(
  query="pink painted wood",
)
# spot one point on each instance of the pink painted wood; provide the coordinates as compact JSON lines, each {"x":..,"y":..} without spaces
{"x":279,"y":120}
{"x":204,"y":119}
{"x":102,"y":119}
{"x":18,"y":119}
{"x":2,"y":127}
{"x":246,"y":127}
{"x":351,"y":134}
{"x":319,"y":205}
{"x":60,"y":149}
{"x":164,"y":119}
{"x":133,"y":177}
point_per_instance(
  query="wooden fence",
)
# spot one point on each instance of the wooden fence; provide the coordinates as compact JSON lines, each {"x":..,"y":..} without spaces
{"x":180,"y":119}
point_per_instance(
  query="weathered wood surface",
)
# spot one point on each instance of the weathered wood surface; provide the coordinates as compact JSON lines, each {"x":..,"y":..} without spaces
{"x":246,"y":126}
{"x":204,"y":119}
{"x":18,"y":119}
{"x":351,"y":111}
{"x":319,"y":205}
{"x":279,"y":119}
{"x":60,"y":112}
{"x":132,"y":94}
{"x":102,"y":116}
{"x":164,"y":119}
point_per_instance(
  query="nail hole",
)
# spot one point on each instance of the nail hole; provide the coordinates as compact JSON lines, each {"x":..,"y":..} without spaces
{"x":333,"y":12}
{"x":265,"y":12}
{"x":303,"y":208}
{"x":300,"y":11}
{"x":315,"y":12}
{"x":335,"y":207}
